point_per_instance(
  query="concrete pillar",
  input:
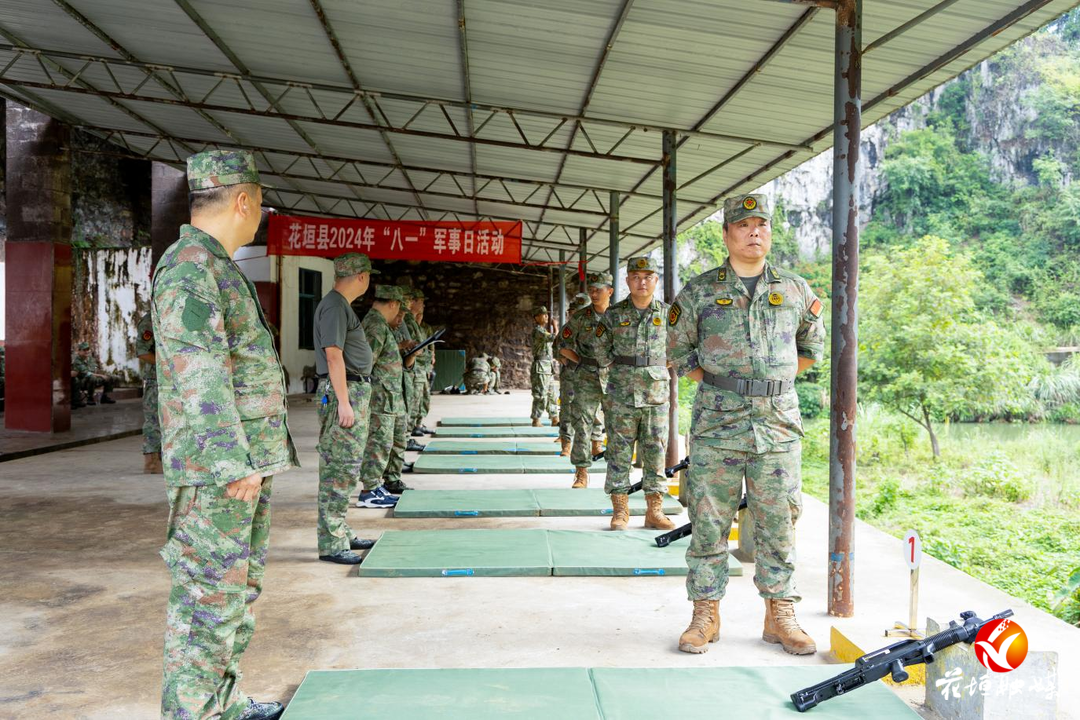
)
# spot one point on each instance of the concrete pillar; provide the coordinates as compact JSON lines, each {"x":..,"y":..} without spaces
{"x":38,"y":272}
{"x":169,"y":206}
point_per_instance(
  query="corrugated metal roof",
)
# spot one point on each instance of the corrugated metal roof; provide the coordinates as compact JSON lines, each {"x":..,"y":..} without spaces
{"x":167,"y":77}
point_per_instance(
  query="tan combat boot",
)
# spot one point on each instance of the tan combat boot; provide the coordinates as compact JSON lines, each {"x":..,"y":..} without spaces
{"x":152,"y":464}
{"x":555,"y":422}
{"x":654,"y":514}
{"x":597,"y":447}
{"x":620,"y":511}
{"x":781,"y":627}
{"x":581,"y":478}
{"x":536,"y":422}
{"x":567,"y":444}
{"x":704,"y":627}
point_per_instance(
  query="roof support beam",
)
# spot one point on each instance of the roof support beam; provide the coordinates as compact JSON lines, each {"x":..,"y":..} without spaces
{"x":466,"y":88}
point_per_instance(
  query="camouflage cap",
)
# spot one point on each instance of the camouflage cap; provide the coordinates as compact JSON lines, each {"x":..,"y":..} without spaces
{"x":417,"y":293}
{"x":643,"y":263}
{"x":740,"y":207}
{"x":389,"y":292}
{"x":352,"y":264}
{"x":540,"y":310}
{"x":219,"y":168}
{"x":579,"y":301}
{"x":84,"y":345}
{"x":409,"y":292}
{"x":600,"y":279}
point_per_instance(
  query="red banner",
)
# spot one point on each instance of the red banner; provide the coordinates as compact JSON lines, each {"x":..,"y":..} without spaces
{"x":475,"y":242}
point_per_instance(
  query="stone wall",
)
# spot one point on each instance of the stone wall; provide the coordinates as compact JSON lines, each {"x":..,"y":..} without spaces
{"x":484,"y":309}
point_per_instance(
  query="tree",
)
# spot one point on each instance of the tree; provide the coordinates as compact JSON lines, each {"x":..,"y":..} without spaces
{"x":924,"y":349}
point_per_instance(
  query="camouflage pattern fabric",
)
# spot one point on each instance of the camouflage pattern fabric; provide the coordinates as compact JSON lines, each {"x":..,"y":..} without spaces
{"x":403,"y":333}
{"x":399,"y":440}
{"x":219,"y":168}
{"x":221,"y":399}
{"x":144,"y":345}
{"x":216,"y":553}
{"x":478,"y":375}
{"x":774,"y":499}
{"x":85,"y":380}
{"x":715,"y":324}
{"x":637,"y":398}
{"x":579,"y":335}
{"x":341,"y":457}
{"x":566,"y":397}
{"x":221,"y":392}
{"x":422,"y":369}
{"x":496,"y":374}
{"x":387,"y":402}
{"x":541,"y":378}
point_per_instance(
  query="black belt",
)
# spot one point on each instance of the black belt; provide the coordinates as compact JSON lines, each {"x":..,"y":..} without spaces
{"x":588,"y":362}
{"x":350,"y":377}
{"x":636,"y":361}
{"x":752,"y":387}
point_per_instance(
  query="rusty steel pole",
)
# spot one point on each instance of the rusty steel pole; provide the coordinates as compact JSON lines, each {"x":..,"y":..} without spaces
{"x":671,"y":280}
{"x":562,"y":288}
{"x":847,"y":105}
{"x":583,"y":259}
{"x":613,"y":243}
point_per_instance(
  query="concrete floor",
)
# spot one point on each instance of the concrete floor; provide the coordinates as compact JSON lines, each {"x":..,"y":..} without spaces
{"x":82,"y":592}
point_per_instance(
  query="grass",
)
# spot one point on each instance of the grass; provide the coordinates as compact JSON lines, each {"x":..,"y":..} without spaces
{"x":1006,"y":511}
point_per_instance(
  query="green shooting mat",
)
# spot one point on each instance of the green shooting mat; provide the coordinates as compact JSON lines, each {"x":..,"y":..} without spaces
{"x":492,"y":447}
{"x":451,"y":694}
{"x":489,"y":422}
{"x":478,"y":431}
{"x":757,"y":693}
{"x":504,"y":553}
{"x":498,"y":464}
{"x":521,"y":503}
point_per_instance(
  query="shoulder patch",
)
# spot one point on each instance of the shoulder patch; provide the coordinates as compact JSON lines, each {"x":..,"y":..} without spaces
{"x":721,"y":274}
{"x":673,"y":314}
{"x":147,"y":335}
{"x":599,"y":331}
{"x":815,"y":308}
{"x":567,"y":332}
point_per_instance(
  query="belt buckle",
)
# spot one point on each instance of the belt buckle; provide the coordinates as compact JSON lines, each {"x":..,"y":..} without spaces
{"x":758,"y":388}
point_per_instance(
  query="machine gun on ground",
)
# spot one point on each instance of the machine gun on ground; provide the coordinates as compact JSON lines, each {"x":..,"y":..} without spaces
{"x":892,"y":660}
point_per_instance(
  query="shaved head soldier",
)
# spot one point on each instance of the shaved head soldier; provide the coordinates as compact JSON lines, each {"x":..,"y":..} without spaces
{"x":743,"y":331}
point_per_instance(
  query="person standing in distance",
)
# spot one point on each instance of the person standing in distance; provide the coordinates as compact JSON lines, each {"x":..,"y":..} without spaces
{"x":221,"y":397}
{"x":743,"y":331}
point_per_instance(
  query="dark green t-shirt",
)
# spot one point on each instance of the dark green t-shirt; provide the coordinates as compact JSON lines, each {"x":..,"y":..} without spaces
{"x":750,"y":283}
{"x":336,"y":325}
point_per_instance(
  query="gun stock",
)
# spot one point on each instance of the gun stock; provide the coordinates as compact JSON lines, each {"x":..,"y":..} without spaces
{"x":674,"y":469}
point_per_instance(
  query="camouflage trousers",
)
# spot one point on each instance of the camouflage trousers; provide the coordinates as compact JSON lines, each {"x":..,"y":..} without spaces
{"x":543,"y":394}
{"x":566,"y":398}
{"x":397,"y":450}
{"x":475,"y":381}
{"x":422,"y":381}
{"x":585,"y":415}
{"x":341,"y":455}
{"x":409,"y":386}
{"x":648,"y":427}
{"x":86,"y":384}
{"x":151,"y":427}
{"x":382,"y":438}
{"x":496,"y":380}
{"x":774,"y":500}
{"x":216,"y":553}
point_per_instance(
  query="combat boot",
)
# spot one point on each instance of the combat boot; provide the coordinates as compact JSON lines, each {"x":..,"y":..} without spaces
{"x":567,"y":444}
{"x":536,"y":422}
{"x":555,"y":422}
{"x":781,"y":627}
{"x":620,"y":511}
{"x":152,"y":464}
{"x":581,"y":478}
{"x":704,"y":627}
{"x":597,"y":447}
{"x":654,"y":514}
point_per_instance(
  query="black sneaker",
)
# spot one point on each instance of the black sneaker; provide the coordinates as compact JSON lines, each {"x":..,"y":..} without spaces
{"x":106,"y":400}
{"x":413,"y":446}
{"x":341,"y":557}
{"x":407,"y":467}
{"x":262,"y":711}
{"x":358,"y":544}
{"x":396,"y":487}
{"x":417,"y":432}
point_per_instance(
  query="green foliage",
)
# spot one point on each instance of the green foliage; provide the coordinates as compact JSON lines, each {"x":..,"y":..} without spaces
{"x":994,"y":476}
{"x":812,"y":400}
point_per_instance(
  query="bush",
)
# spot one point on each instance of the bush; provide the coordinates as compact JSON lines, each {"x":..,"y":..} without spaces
{"x":811,"y":399}
{"x":1067,"y":413}
{"x":995,"y":476}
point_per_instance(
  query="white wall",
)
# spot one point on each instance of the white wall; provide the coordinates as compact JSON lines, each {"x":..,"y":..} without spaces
{"x":293,"y":358}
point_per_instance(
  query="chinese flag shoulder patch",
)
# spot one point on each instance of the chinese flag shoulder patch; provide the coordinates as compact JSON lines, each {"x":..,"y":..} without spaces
{"x":673,"y":314}
{"x":815,"y":308}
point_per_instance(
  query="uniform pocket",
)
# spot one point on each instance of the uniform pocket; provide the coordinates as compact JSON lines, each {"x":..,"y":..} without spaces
{"x":202,"y":557}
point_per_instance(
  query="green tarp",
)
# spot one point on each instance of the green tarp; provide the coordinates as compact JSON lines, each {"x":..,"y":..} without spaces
{"x":475,"y":431}
{"x":489,"y":421}
{"x":492,"y":447}
{"x":523,"y":503}
{"x":498,"y":552}
{"x":747,"y":693}
{"x":499,"y":464}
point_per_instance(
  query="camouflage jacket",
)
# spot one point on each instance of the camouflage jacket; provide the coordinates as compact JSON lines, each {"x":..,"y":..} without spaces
{"x":144,"y":345}
{"x":714,"y":324}
{"x":221,"y":388}
{"x":624,"y":333}
{"x":541,"y":349}
{"x":425,"y":359}
{"x":83,"y":365}
{"x":387,"y":370}
{"x":579,"y":335}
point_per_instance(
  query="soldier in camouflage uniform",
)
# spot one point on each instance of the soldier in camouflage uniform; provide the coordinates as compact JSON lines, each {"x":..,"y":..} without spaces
{"x":151,"y":429}
{"x":386,"y":436}
{"x":478,"y":376}
{"x":409,"y":335}
{"x":86,"y":378}
{"x":576,"y":343}
{"x":221,"y":397}
{"x":343,"y":365}
{"x":496,"y":375}
{"x":425,"y":364}
{"x":566,"y":382}
{"x":743,"y":331}
{"x":631,"y":341}
{"x":541,"y":376}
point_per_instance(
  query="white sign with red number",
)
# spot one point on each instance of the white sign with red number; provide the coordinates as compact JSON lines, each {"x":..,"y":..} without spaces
{"x":912,"y":550}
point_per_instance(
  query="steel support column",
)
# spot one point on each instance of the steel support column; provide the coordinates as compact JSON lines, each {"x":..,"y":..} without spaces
{"x":847,"y":97}
{"x":562,"y":288}
{"x":613,"y":243}
{"x":671,"y":276}
{"x":583,"y":259}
